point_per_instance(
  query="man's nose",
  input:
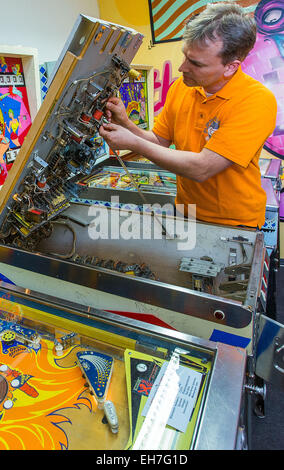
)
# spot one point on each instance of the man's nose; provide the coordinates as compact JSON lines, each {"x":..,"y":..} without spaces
{"x":183,"y":67}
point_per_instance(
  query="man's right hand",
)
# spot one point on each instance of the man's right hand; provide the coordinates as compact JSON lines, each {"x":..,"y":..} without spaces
{"x":115,"y":112}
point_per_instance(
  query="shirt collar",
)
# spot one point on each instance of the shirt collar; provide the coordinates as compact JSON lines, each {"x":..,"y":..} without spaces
{"x":229,"y":89}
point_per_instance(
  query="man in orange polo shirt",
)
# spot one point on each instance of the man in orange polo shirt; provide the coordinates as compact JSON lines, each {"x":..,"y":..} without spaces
{"x":217,"y":117}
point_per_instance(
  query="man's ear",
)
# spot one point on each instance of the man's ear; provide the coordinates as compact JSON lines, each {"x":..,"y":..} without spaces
{"x":231,"y":68}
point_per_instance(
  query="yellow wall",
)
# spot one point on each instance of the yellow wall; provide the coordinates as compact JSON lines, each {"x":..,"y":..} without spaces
{"x":135,"y":14}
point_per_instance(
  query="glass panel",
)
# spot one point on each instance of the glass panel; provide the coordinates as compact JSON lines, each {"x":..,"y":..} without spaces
{"x":59,"y":368}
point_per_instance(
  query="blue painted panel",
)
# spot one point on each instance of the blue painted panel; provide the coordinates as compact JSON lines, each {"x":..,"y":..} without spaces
{"x":229,"y":338}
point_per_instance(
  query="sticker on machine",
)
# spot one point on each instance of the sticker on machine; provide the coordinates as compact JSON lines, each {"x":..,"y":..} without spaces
{"x":184,"y":405}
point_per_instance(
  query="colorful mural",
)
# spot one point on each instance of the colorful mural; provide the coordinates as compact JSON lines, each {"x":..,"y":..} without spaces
{"x":266,"y":63}
{"x":162,"y":85}
{"x":15,"y":118}
{"x":168,"y":17}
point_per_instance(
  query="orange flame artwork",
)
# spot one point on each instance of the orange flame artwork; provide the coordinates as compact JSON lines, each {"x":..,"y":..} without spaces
{"x":37,"y":390}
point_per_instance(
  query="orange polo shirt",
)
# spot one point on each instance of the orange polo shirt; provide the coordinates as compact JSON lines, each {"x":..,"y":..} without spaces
{"x":234,"y":122}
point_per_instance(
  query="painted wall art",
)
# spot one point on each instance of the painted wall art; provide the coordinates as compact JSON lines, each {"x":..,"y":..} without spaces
{"x":134,"y":94}
{"x":265,"y":62}
{"x":15,"y":118}
{"x":168,"y":17}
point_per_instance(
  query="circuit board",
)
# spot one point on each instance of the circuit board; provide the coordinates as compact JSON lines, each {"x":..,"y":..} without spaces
{"x":63,"y":144}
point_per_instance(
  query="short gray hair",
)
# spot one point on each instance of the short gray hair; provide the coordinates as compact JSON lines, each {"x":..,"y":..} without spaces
{"x":227,"y":22}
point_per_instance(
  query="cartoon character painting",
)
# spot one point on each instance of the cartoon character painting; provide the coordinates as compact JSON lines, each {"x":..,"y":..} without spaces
{"x":3,"y":65}
{"x":134,"y":97}
{"x":15,"y":119}
{"x":4,"y":145}
{"x":4,"y":141}
{"x":14,"y":124}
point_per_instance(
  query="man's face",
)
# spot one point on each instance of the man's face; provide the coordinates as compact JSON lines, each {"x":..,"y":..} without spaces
{"x":202,"y":66}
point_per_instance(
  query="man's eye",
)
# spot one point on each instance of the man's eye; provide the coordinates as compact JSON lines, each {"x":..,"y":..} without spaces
{"x":194,"y":63}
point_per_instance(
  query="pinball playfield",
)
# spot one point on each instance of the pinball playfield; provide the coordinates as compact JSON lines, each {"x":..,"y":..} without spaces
{"x":68,"y":384}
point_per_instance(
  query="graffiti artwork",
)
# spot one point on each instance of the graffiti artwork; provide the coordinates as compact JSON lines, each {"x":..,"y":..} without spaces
{"x":162,"y":85}
{"x":15,"y":119}
{"x":266,"y":63}
{"x":167,"y":18}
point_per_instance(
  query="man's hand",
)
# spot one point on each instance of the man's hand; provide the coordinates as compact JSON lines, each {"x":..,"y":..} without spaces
{"x":115,"y":112}
{"x":117,"y":137}
{"x":196,"y":166}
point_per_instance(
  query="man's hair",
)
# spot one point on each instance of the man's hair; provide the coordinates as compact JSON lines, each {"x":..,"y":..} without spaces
{"x":227,"y":22}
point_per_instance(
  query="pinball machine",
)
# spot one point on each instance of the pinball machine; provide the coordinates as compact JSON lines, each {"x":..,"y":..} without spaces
{"x":62,"y":365}
{"x":143,"y":304}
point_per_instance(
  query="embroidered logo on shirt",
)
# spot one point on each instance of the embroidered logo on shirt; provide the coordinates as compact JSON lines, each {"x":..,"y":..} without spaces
{"x":211,"y":127}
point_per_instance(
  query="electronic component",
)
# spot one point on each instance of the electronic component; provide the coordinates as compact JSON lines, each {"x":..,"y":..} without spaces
{"x":67,"y":142}
{"x":139,"y":270}
{"x":68,"y":340}
{"x":58,"y":348}
{"x":8,"y":337}
{"x":38,"y":165}
{"x":203,"y":272}
{"x":11,"y":332}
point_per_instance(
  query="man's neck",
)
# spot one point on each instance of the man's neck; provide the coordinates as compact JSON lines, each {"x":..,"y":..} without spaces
{"x":211,"y":90}
{"x":214,"y":88}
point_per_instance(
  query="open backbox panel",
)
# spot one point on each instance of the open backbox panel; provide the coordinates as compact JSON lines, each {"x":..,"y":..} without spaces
{"x":63,"y":143}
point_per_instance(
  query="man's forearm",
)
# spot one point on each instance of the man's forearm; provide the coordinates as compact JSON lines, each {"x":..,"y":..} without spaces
{"x":145,"y":135}
{"x":193,"y":165}
{"x":180,"y":162}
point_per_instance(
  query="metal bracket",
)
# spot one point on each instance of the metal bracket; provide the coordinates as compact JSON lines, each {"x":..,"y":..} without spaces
{"x":278,"y":360}
{"x":270,"y":351}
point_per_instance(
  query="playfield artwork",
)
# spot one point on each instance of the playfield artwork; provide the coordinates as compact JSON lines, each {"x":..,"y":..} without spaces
{"x":15,"y":118}
{"x":45,"y":403}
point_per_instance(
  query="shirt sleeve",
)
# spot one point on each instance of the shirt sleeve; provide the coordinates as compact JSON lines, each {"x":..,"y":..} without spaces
{"x":244,"y":128}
